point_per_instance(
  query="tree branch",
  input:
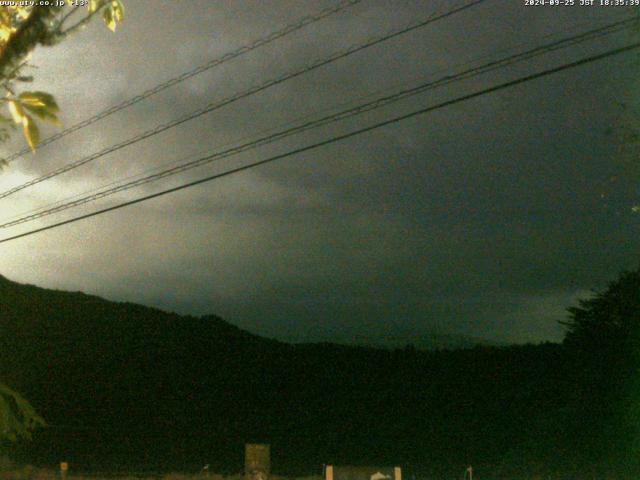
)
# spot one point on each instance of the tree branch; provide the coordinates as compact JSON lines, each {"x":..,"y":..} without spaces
{"x":79,"y":24}
{"x":33,"y":31}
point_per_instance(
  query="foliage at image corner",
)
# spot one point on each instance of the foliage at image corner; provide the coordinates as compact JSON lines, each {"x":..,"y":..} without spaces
{"x":22,"y":29}
{"x":18,"y":418}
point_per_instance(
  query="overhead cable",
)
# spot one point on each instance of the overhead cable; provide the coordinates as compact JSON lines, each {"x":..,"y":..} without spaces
{"x":273,"y":36}
{"x":238,"y":96}
{"x":335,"y":139}
{"x":357,"y":110}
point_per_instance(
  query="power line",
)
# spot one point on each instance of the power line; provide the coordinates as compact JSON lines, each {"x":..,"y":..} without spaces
{"x":238,"y":96}
{"x":192,"y":73}
{"x":357,"y":110}
{"x":623,"y":23}
{"x":219,"y":104}
{"x":339,"y":138}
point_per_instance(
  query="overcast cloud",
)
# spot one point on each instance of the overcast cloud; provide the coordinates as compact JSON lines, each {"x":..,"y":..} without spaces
{"x":484,"y":218}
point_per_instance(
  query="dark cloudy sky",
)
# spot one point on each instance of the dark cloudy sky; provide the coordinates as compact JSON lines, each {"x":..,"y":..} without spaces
{"x":484,"y":218}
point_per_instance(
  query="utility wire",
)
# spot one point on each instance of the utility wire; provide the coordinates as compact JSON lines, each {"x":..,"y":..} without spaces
{"x":357,"y":110}
{"x":502,"y":86}
{"x":252,"y":91}
{"x":192,"y":73}
{"x":562,"y":43}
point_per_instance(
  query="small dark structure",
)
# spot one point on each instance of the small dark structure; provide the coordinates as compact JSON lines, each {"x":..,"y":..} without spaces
{"x":257,"y":461}
{"x":335,"y":472}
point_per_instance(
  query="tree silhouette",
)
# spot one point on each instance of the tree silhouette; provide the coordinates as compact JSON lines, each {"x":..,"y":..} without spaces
{"x":603,"y":340}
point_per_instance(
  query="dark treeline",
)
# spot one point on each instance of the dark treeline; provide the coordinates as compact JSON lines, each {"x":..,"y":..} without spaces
{"x":126,"y":387}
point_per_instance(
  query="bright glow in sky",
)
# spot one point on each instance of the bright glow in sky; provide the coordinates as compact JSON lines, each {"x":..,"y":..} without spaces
{"x":482,"y":219}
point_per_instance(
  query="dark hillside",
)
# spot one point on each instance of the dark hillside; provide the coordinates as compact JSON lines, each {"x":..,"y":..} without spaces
{"x":130,"y":387}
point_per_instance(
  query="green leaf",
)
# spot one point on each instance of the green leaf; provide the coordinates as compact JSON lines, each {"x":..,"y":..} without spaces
{"x":43,"y":114}
{"x":94,"y":5}
{"x":39,"y":99}
{"x":40,"y":104}
{"x":118,"y":10}
{"x":17,"y":112}
{"x":109,"y":19}
{"x":31,"y":132}
{"x":17,"y":417}
{"x":113,"y":13}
